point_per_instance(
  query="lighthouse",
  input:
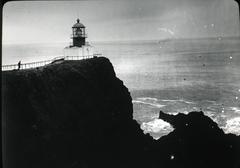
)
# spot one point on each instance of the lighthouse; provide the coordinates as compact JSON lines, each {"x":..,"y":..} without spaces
{"x":78,"y":47}
{"x":78,"y":34}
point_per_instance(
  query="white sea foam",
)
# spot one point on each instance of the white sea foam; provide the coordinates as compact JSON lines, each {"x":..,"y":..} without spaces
{"x":157,"y":126}
{"x":176,"y":113}
{"x":188,"y":102}
{"x":235,"y":109}
{"x":147,"y":103}
{"x":180,"y":100}
{"x":232,"y":126}
{"x":210,"y":101}
{"x":147,"y":98}
{"x":209,"y":114}
{"x":164,"y":100}
{"x":168,"y":100}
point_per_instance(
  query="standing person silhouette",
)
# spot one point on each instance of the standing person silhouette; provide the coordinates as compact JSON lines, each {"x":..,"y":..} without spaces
{"x":19,"y":65}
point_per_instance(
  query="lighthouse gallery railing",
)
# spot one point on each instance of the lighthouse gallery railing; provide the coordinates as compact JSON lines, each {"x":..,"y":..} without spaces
{"x":46,"y":62}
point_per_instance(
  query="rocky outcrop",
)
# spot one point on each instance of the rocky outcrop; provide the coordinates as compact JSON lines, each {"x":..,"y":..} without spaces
{"x":79,"y":114}
{"x":65,"y":115}
{"x":197,"y":141}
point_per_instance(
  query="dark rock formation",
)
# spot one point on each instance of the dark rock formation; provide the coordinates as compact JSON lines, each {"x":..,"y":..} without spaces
{"x":64,"y":115}
{"x":197,"y":141}
{"x":79,"y":114}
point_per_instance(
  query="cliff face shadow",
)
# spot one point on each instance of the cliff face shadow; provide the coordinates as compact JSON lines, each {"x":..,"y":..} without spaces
{"x":79,"y":114}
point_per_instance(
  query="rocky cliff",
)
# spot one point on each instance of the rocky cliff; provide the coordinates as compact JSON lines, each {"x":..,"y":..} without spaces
{"x":79,"y":114}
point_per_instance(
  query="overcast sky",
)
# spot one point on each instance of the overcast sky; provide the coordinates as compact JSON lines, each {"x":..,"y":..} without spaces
{"x":110,"y":20}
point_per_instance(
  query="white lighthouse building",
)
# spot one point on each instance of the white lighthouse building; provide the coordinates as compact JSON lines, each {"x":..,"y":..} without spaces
{"x":79,"y":46}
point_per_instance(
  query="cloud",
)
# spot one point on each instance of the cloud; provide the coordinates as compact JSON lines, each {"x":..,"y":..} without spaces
{"x":122,"y":20}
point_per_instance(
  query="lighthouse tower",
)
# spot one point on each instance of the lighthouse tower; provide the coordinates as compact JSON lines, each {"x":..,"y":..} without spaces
{"x":78,"y":34}
{"x":79,"y":46}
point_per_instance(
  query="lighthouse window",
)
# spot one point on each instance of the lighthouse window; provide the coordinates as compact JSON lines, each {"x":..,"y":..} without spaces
{"x":79,"y":32}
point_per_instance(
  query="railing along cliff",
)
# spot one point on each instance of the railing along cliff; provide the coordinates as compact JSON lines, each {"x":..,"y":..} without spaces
{"x":46,"y":62}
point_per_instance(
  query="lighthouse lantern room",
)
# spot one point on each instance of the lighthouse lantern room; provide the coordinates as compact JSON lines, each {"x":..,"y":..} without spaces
{"x":78,"y":34}
{"x":79,"y":46}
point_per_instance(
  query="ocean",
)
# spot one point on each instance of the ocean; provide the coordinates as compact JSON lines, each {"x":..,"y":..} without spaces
{"x":174,"y":76}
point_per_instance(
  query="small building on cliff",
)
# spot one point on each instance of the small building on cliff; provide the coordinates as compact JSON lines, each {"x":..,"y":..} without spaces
{"x":78,"y":46}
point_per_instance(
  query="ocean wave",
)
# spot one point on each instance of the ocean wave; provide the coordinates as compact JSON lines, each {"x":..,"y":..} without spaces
{"x":220,"y":117}
{"x":210,"y":101}
{"x":232,"y":126}
{"x":210,"y":114}
{"x":164,"y":100}
{"x":147,"y":103}
{"x":168,"y":100}
{"x":235,"y":109}
{"x":147,"y":98}
{"x":179,"y":100}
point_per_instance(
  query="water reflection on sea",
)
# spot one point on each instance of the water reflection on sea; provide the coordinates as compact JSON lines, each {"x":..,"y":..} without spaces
{"x":181,"y":76}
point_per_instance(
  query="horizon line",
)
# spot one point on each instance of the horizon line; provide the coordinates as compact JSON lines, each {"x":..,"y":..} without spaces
{"x":119,"y":41}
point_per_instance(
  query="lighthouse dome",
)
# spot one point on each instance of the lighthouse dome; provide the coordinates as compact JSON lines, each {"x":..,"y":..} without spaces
{"x":78,"y":24}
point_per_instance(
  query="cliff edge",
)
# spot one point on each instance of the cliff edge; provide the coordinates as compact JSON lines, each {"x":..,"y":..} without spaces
{"x":79,"y":114}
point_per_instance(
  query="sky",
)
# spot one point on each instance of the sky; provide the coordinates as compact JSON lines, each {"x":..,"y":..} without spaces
{"x":114,"y":20}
